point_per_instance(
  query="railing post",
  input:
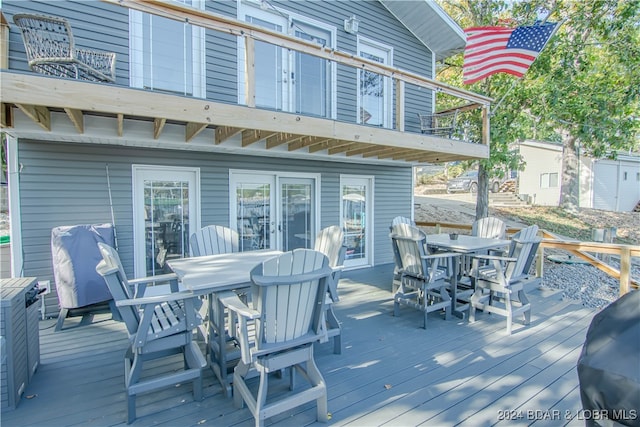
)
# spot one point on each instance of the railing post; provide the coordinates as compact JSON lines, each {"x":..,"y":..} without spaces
{"x":400,"y":105}
{"x":250,"y":72}
{"x":540,"y":262}
{"x":4,"y":42}
{"x":625,"y":269}
{"x":486,"y":133}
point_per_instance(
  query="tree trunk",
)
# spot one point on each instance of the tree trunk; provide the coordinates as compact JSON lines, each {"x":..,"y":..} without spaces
{"x":569,"y":189}
{"x":482,"y":202}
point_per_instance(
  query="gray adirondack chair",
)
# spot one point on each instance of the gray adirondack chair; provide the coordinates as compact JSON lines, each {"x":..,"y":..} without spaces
{"x":286,"y":311}
{"x":158,"y":326}
{"x":398,"y":263}
{"x":500,"y":283}
{"x":213,"y":240}
{"x":489,"y":227}
{"x":51,"y":50}
{"x":423,"y":279}
{"x":330,"y":241}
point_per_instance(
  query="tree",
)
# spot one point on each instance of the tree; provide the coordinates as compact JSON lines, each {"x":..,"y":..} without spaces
{"x":588,"y":88}
{"x":582,"y":89}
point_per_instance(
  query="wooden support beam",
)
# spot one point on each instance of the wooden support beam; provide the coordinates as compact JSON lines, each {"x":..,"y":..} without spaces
{"x":40,"y":115}
{"x":343,"y":148}
{"x":360,"y":148}
{"x":158,"y":125}
{"x":6,"y":116}
{"x":281,"y":138}
{"x":305,"y":142}
{"x":327,"y":144}
{"x":76,"y":117}
{"x":192,"y":129}
{"x":225,"y":132}
{"x":120,"y":121}
{"x":252,"y":136}
{"x":380,"y":151}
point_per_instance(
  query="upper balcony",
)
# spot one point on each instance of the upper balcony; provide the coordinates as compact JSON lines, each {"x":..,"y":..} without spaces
{"x":243,"y":87}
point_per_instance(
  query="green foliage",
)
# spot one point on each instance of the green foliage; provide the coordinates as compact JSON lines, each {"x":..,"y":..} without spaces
{"x":584,"y":86}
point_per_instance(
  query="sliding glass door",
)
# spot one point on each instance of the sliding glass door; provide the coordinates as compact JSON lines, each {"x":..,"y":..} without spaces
{"x":273,"y":210}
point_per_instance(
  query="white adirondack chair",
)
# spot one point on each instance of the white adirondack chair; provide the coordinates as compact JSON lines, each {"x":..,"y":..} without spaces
{"x":422,"y":277}
{"x":213,"y":240}
{"x":286,"y":311}
{"x":504,"y":278}
{"x":330,"y":241}
{"x":158,"y":326}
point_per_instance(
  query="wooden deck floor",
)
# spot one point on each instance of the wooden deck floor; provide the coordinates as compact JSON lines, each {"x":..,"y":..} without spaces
{"x":391,"y":371}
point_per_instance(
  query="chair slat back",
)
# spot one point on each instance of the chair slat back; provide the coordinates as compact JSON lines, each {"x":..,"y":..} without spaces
{"x":289,"y":292}
{"x":489,"y":227}
{"x":330,"y":241}
{"x":213,"y":240}
{"x":409,"y":246}
{"x":45,"y":36}
{"x":524,"y":245}
{"x":111,"y":269}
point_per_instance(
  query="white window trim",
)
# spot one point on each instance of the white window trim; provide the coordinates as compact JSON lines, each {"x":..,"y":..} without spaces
{"x":136,"y":69}
{"x":15,"y":224}
{"x":166,"y":173}
{"x":277,"y":175}
{"x":388,"y":84}
{"x":249,"y":5}
{"x":370,"y":261}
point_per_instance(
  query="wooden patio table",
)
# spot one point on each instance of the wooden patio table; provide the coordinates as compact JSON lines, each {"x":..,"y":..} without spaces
{"x":467,"y":245}
{"x":209,"y":275}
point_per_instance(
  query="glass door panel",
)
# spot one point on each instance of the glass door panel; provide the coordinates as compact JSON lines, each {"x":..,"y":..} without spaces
{"x":311,"y":82}
{"x":356,"y":221}
{"x":165,"y":207}
{"x":253,"y":208}
{"x":270,"y":64}
{"x":297,"y":225}
{"x":374,"y":89}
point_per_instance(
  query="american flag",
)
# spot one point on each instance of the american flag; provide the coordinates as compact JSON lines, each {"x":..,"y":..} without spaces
{"x":493,"y":50}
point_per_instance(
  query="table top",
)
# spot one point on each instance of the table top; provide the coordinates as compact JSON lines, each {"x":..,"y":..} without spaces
{"x":215,"y":273}
{"x":464,"y":243}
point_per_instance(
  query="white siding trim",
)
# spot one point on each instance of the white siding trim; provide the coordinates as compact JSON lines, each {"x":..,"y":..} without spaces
{"x":15,"y":230}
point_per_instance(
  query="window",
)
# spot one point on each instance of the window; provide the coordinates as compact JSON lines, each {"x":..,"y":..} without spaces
{"x":374,"y":90}
{"x":549,"y":180}
{"x":167,"y":55}
{"x":624,"y":175}
{"x":288,"y":80}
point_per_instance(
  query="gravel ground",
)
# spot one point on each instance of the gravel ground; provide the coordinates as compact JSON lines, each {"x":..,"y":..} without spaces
{"x":585,"y":283}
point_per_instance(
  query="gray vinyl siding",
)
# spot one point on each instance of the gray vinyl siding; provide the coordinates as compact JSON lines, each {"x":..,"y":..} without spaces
{"x":103,"y":26}
{"x":66,"y":184}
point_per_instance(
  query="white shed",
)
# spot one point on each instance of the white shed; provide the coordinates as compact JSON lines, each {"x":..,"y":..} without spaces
{"x":605,"y":184}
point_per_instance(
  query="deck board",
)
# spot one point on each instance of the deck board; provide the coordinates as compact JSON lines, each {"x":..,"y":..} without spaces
{"x":391,"y":372}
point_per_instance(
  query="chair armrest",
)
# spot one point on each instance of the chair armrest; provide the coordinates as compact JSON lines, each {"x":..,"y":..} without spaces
{"x":439,"y":255}
{"x":232,"y":301}
{"x":157,"y":299}
{"x":153,"y":279}
{"x":494,"y":258}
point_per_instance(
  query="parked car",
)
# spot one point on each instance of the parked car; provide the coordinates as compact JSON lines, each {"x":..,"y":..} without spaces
{"x":468,"y":181}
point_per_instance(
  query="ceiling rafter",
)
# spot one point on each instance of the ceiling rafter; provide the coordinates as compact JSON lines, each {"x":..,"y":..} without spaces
{"x":224,"y":133}
{"x":281,"y":138}
{"x":343,"y":148}
{"x":325,"y":145}
{"x":76,"y":117}
{"x":158,"y":125}
{"x":251,"y":136}
{"x":39,"y":114}
{"x":192,"y":129}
